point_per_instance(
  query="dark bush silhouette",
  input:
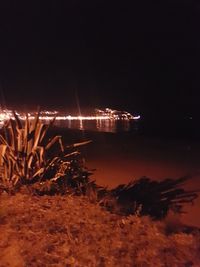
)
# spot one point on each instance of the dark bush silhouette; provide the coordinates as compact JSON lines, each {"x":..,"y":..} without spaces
{"x":148,"y":197}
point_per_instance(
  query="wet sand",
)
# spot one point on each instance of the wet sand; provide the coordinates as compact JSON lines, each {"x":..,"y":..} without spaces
{"x":119,"y":158}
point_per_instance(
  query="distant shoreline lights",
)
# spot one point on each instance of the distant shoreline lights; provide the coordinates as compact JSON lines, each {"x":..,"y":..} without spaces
{"x":105,"y":114}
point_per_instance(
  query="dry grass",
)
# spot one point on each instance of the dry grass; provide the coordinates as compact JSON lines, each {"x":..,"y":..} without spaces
{"x":70,"y":231}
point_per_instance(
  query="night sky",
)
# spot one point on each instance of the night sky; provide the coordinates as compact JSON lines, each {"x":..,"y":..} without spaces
{"x":133,"y":55}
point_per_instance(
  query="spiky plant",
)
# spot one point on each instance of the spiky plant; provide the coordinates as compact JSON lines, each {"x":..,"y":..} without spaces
{"x":27,"y":158}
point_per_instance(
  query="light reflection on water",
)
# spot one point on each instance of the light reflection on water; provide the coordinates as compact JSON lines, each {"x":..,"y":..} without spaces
{"x":112,"y":126}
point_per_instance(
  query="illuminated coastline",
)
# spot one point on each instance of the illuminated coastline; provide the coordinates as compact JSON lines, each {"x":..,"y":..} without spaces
{"x":106,"y":114}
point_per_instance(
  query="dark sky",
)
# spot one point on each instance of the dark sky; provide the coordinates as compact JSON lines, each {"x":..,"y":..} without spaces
{"x":136,"y":55}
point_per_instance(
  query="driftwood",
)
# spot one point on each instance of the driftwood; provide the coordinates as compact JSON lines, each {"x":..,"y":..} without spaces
{"x":147,"y":197}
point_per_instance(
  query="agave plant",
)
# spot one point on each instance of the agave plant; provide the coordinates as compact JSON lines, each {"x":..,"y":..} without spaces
{"x":25,"y":156}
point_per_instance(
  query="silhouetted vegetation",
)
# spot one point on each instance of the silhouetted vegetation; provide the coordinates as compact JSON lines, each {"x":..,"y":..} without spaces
{"x":148,"y":197}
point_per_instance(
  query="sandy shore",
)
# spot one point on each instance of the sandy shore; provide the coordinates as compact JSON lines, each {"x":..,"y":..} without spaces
{"x":119,"y":158}
{"x":70,"y":231}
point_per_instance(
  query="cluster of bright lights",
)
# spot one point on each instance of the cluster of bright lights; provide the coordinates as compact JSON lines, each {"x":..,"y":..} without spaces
{"x":5,"y":114}
{"x":115,"y":114}
{"x":107,"y":114}
{"x":46,"y":112}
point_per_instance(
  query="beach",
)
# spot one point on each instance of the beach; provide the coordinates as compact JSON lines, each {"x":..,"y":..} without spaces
{"x":119,"y":158}
{"x":70,"y":230}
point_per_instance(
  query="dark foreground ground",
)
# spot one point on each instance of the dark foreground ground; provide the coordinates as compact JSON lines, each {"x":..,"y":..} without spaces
{"x":69,"y":231}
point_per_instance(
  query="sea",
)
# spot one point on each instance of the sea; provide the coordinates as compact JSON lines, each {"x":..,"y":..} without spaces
{"x":186,"y":128}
